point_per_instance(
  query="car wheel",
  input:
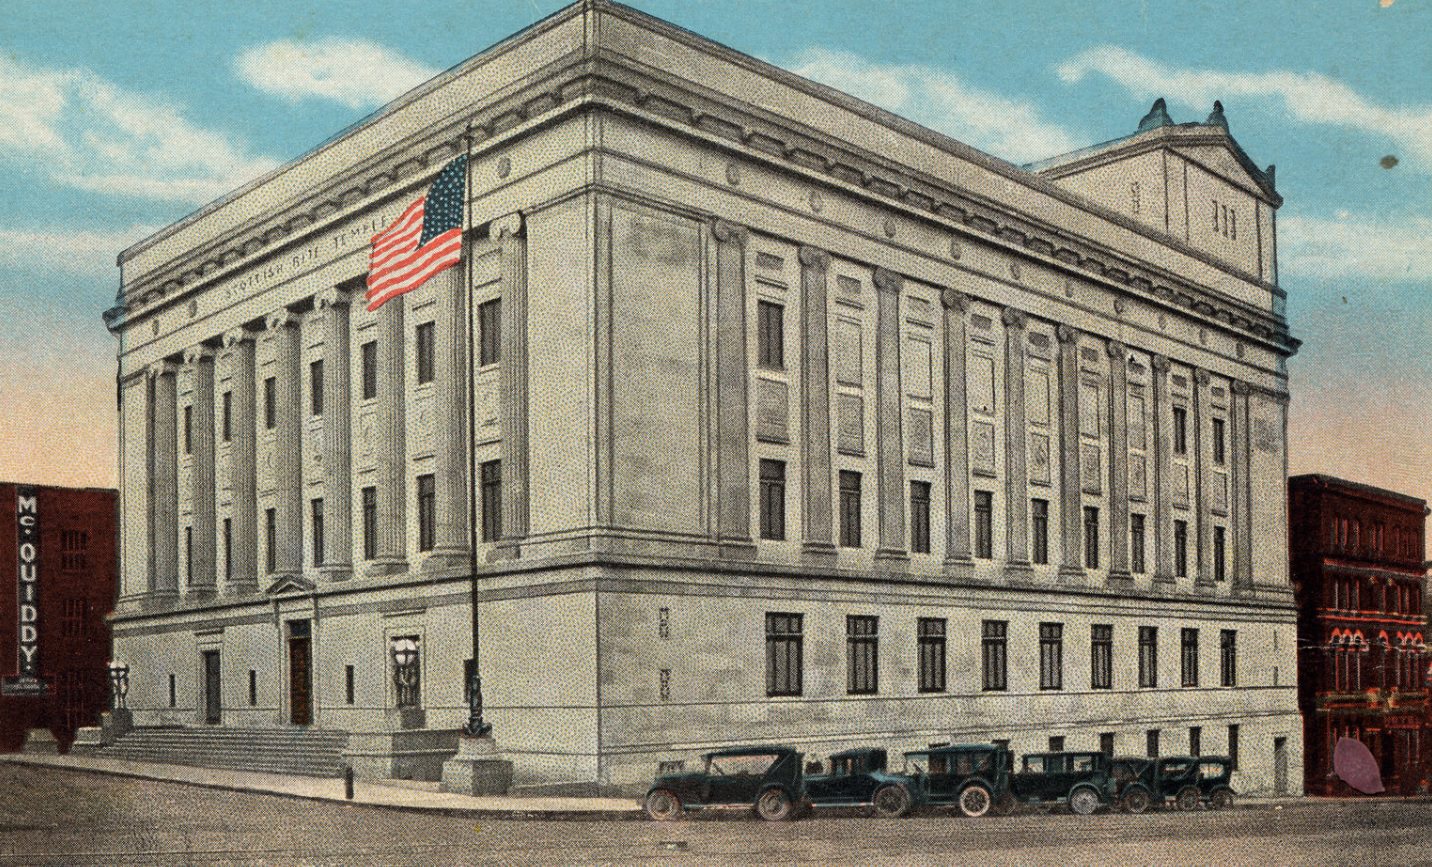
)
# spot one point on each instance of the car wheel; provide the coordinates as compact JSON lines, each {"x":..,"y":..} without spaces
{"x":1221,"y":800}
{"x":774,"y":805}
{"x":1187,"y":799}
{"x":1135,"y":801}
{"x":975,"y":801}
{"x":1084,"y":801}
{"x":891,"y":802}
{"x":1003,"y":805}
{"x":663,"y":805}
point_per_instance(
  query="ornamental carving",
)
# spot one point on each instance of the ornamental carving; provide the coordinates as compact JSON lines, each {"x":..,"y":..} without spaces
{"x":887,"y":280}
{"x":957,"y":301}
{"x":1013,"y":318}
{"x":813,"y":258}
{"x":1066,"y":334}
{"x":728,"y":233}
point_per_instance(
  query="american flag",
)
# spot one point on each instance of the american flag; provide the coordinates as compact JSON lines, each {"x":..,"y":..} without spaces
{"x":424,"y":240}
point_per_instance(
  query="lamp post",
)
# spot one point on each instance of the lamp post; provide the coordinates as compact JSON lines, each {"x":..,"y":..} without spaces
{"x":118,"y":684}
{"x":405,"y":671}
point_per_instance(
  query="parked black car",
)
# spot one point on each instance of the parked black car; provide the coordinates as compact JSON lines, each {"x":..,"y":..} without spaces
{"x":1082,"y":780}
{"x":858,"y":778}
{"x":973,"y":778}
{"x":1182,"y":781}
{"x":767,"y":778}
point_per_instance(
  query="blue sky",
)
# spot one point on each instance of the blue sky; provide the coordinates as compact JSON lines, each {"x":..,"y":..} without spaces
{"x":119,"y":118}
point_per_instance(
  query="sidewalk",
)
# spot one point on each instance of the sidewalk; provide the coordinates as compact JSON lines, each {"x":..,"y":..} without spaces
{"x":391,"y":794}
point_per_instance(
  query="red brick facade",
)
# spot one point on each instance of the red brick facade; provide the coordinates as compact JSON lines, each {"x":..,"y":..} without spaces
{"x":61,"y":542}
{"x":1358,"y":576}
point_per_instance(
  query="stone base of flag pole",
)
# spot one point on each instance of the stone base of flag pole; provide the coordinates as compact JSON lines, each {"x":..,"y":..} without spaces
{"x":477,"y":769}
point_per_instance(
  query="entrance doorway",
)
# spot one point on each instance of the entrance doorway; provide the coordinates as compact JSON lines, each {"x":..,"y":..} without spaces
{"x":1280,"y":766}
{"x":300,"y":674}
{"x":212,"y":688}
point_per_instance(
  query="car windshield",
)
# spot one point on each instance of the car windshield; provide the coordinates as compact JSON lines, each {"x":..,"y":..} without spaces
{"x":731,"y":766}
{"x":917,"y":763}
{"x":1126,"y":771}
{"x":1211,"y":770}
{"x":1082,"y":764}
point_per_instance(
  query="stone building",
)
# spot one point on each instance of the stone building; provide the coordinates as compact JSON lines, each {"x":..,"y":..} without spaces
{"x":1359,"y":580}
{"x":791,"y":420}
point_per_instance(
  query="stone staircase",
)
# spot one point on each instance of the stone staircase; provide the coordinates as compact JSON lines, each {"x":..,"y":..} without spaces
{"x":308,"y":752}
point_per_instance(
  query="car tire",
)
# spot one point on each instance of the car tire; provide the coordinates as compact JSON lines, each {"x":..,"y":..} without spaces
{"x":1135,"y":801}
{"x":975,"y":801}
{"x":1084,"y":801}
{"x":774,"y":805}
{"x":1187,"y":799}
{"x":1003,"y":805}
{"x":891,"y":802}
{"x":663,"y":805}
{"x":1221,"y":800}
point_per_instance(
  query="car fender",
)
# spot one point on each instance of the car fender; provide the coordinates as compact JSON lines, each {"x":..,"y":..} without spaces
{"x":796,"y":798}
{"x":1091,"y":787}
{"x":1141,"y":787}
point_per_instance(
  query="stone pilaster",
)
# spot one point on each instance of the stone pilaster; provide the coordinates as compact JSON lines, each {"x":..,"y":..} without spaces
{"x":200,"y":361}
{"x":1239,"y":505}
{"x":1118,"y":463}
{"x":164,"y":581}
{"x":817,"y":519}
{"x":333,"y":304}
{"x":1162,"y":414}
{"x":889,"y":429}
{"x":1202,"y":500}
{"x":1016,"y":470}
{"x":733,"y":471}
{"x":1071,"y":567}
{"x":512,"y":247}
{"x":243,"y":482}
{"x":958,"y":561}
{"x":391,"y":436}
{"x":288,"y":439}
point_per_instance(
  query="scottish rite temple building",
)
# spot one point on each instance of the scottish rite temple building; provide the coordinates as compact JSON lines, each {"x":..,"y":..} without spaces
{"x":781,"y":417}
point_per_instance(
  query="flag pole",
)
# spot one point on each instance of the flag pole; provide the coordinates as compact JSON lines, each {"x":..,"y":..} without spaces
{"x":475,"y":726}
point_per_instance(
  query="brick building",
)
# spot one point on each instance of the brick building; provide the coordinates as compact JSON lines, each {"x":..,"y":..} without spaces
{"x":1357,"y":569}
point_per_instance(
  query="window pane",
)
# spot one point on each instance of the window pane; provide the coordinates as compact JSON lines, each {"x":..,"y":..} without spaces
{"x":773,"y":499}
{"x":920,"y":517}
{"x":770,"y":335}
{"x":849,"y":509}
{"x":489,"y":315}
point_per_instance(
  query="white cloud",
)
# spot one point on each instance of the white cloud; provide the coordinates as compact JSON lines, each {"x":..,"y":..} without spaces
{"x":354,"y":72}
{"x":1008,"y":128}
{"x":86,"y":253}
{"x":1356,"y":247}
{"x":86,"y":133}
{"x":1306,"y":97}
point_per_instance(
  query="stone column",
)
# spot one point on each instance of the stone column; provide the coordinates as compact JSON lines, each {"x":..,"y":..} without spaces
{"x":733,"y":473}
{"x":1016,"y":472}
{"x":165,"y":475}
{"x":817,"y":519}
{"x":1162,"y":415}
{"x":958,"y":561}
{"x":337,"y":436}
{"x":200,"y":360}
{"x":889,"y":429}
{"x":391,"y":437}
{"x":136,"y":495}
{"x":512,"y":249}
{"x":288,"y":443}
{"x":1238,"y":494}
{"x":450,"y":499}
{"x":1118,"y":463}
{"x":1071,"y":502}
{"x":239,"y":346}
{"x":1203,"y":572}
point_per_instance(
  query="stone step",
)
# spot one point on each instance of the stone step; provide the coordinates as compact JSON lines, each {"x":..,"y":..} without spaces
{"x":306,"y":752}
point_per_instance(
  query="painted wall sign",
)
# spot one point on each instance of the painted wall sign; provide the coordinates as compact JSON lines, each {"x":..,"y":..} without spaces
{"x":27,"y":547}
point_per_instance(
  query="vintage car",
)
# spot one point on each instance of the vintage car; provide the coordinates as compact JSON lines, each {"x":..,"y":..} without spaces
{"x":1081,"y":780}
{"x":1183,"y":781}
{"x":764,"y":777}
{"x":973,"y":778}
{"x":858,"y":778}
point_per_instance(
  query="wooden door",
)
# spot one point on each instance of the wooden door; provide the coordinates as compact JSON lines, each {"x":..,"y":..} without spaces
{"x":212,"y":688}
{"x":300,"y":682}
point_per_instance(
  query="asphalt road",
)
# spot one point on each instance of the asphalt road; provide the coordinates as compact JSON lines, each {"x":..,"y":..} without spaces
{"x":62,"y":817}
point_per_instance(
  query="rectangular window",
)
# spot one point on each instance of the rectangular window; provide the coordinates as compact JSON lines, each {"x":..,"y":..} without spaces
{"x":188,"y":429}
{"x":1101,"y":657}
{"x":315,"y":508}
{"x":770,"y":335}
{"x":489,"y":327}
{"x":348,"y":684}
{"x":773,"y":499}
{"x":1151,"y":744}
{"x":1148,"y":657}
{"x":1180,"y":431}
{"x":253,"y":688}
{"x":1136,"y":542}
{"x":1180,"y":549}
{"x":920,"y":517}
{"x":862,"y":655}
{"x":931,"y":636}
{"x":1190,"y":657}
{"x":1220,"y":453}
{"x":783,"y":654}
{"x":1106,"y":743}
{"x":1195,"y":740}
{"x":984,"y":525}
{"x":173,"y":692}
{"x":1233,"y":745}
{"x":270,"y":539}
{"x":270,"y":402}
{"x":228,"y":414}
{"x":315,"y":387}
{"x":228,"y":548}
{"x":1228,"y":657}
{"x":491,"y":473}
{"x":1039,"y":531}
{"x":427,"y":507}
{"x":1056,"y":743}
{"x":188,"y":555}
{"x":1051,"y":656}
{"x":1220,"y":549}
{"x":369,"y":353}
{"x":849,"y":509}
{"x":425,"y":350}
{"x":1091,"y":537}
{"x":994,"y":652}
{"x":370,"y":523}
